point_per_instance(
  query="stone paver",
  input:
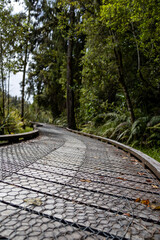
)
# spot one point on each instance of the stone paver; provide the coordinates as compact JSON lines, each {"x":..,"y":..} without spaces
{"x":65,"y":186}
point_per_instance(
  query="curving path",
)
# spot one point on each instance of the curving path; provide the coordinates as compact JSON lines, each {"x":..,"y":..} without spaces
{"x":65,"y":186}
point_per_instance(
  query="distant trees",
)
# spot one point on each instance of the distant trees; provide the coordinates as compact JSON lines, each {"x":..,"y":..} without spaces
{"x":7,"y":51}
{"x":48,"y":51}
{"x":92,"y":61}
{"x":105,"y":49}
{"x":59,"y":77}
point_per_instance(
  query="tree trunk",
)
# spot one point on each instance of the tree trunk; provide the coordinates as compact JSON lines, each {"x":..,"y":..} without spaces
{"x":119,"y":61}
{"x":2,"y":78}
{"x":118,"y":56}
{"x":70,"y":92}
{"x":23,"y":82}
{"x":24,"y":71}
{"x":9,"y":75}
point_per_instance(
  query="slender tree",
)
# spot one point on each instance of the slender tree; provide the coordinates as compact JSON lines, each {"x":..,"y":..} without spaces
{"x":26,"y":56}
{"x":70,"y":92}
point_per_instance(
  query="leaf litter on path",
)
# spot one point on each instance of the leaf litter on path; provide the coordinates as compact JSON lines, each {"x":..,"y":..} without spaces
{"x":33,"y":201}
{"x":154,"y":205}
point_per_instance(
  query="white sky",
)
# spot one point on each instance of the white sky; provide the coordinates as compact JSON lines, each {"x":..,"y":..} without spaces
{"x":17,"y":78}
{"x":17,"y":6}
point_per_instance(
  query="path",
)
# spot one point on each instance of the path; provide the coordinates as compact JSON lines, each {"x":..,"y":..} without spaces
{"x":65,"y":186}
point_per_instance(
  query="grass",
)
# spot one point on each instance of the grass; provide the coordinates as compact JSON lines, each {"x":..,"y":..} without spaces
{"x":153,"y":152}
{"x":19,"y":130}
{"x":27,"y":129}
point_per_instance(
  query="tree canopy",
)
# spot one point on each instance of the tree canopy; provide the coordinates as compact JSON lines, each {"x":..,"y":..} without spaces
{"x":94,"y":64}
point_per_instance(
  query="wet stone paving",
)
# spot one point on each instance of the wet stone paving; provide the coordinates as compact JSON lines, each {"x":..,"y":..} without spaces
{"x":66,"y":186}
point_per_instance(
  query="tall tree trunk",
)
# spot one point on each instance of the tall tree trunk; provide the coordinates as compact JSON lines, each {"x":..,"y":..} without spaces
{"x":119,"y":61}
{"x":2,"y":78}
{"x":23,"y":82}
{"x":70,"y":92}
{"x":118,"y":56}
{"x":9,"y":75}
{"x":24,"y":71}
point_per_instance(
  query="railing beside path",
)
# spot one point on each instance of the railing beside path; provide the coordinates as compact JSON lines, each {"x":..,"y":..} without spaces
{"x":147,"y":161}
{"x":14,"y":138}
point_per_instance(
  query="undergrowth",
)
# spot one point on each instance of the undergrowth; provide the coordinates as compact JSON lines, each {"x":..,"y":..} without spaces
{"x":143,"y":134}
{"x":153,"y":152}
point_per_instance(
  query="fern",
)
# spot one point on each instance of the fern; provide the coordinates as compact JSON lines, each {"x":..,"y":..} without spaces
{"x":124,"y":135}
{"x":119,"y":128}
{"x":155,"y":127}
{"x":138,"y":128}
{"x":153,"y":121}
{"x":111,"y":115}
{"x":109,"y":131}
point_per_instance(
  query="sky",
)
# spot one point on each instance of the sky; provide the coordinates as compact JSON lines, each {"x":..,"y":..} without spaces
{"x":16,"y":79}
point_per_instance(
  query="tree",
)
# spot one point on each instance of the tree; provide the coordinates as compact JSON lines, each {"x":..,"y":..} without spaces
{"x":70,"y":92}
{"x":48,"y":54}
{"x":7,"y":49}
{"x":25,"y":37}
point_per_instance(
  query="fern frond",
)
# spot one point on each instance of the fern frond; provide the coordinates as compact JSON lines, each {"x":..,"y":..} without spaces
{"x":119,"y":128}
{"x":123,"y":135}
{"x":111,"y":115}
{"x":153,"y":121}
{"x":108,"y":132}
{"x":155,"y":127}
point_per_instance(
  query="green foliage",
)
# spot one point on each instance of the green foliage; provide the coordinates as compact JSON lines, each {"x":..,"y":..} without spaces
{"x":13,"y":123}
{"x":36,"y":113}
{"x":27,"y":129}
{"x":153,"y":152}
{"x":145,"y":131}
{"x":61,"y":120}
{"x":115,"y":65}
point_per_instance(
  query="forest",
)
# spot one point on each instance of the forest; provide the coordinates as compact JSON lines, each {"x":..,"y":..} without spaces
{"x":91,"y":65}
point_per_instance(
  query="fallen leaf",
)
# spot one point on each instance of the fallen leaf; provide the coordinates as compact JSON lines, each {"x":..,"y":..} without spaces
{"x":141,"y":174}
{"x":148,"y":180}
{"x":127,"y":214}
{"x":155,"y":206}
{"x":134,"y":160}
{"x":155,"y":186}
{"x":138,"y":200}
{"x":125,"y":158}
{"x":101,"y":177}
{"x":121,"y":178}
{"x":33,"y":201}
{"x":145,"y":202}
{"x":85,"y":180}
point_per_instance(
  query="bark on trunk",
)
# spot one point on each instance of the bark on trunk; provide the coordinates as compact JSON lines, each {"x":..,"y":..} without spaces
{"x":118,"y":56}
{"x":2,"y":79}
{"x":119,"y":61}
{"x":23,"y":82}
{"x":70,"y":92}
{"x":24,"y":72}
{"x":9,"y":75}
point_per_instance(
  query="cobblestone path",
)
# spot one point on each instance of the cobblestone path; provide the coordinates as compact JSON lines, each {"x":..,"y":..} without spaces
{"x":65,"y":186}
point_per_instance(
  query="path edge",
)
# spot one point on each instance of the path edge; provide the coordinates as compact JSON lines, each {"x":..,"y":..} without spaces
{"x":147,"y":161}
{"x":14,"y":138}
